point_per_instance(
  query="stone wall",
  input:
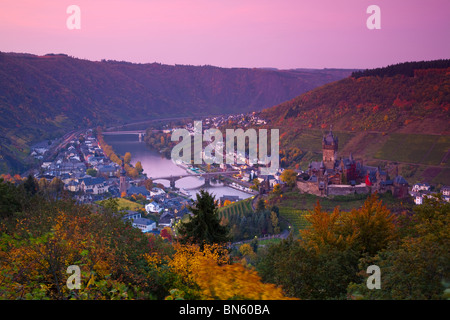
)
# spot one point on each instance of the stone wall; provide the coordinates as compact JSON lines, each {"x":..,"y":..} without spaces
{"x":333,"y":190}
{"x":341,"y":190}
{"x":308,"y":187}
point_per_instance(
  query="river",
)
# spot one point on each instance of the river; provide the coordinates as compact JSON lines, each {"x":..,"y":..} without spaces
{"x":155,"y":165}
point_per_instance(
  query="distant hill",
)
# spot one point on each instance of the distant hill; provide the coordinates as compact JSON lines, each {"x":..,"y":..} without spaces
{"x":42,"y":97}
{"x":395,"y":114}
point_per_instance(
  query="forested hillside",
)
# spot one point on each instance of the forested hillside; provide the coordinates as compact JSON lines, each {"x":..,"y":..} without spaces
{"x":42,"y":97}
{"x":398,"y":114}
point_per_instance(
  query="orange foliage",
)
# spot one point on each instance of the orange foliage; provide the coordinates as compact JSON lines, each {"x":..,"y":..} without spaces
{"x":367,"y":229}
{"x":216,"y":278}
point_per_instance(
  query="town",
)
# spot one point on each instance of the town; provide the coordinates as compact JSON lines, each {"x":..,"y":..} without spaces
{"x":81,"y":169}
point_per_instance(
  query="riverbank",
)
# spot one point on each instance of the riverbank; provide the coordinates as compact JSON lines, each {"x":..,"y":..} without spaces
{"x":155,"y":165}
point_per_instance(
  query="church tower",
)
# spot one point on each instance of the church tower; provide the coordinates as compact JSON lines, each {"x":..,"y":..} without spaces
{"x":329,"y":149}
{"x":123,"y":179}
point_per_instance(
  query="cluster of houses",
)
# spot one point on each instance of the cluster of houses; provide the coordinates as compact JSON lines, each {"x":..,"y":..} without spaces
{"x":169,"y":207}
{"x":241,"y":120}
{"x":90,"y":176}
{"x":83,"y":169}
{"x":420,"y":191}
{"x":166,"y":208}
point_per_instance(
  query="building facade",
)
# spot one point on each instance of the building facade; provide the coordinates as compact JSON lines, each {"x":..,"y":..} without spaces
{"x":342,"y":176}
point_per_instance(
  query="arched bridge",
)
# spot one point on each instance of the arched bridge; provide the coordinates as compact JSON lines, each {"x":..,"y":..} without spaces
{"x":206,"y":175}
{"x":140,"y":133}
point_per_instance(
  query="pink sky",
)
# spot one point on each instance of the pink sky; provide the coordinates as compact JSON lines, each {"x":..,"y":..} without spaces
{"x":232,"y":33}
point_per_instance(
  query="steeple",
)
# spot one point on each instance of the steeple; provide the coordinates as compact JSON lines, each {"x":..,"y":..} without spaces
{"x":123,"y":179}
{"x":123,"y":172}
{"x":329,"y":149}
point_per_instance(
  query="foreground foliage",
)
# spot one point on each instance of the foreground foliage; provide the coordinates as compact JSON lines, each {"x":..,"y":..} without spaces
{"x":331,"y":258}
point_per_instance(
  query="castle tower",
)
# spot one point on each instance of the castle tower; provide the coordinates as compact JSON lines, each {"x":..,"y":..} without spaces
{"x":329,"y":150}
{"x":123,"y":179}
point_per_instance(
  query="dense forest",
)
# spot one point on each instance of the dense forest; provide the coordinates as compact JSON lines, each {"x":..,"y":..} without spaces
{"x":405,"y":68}
{"x":371,"y":103}
{"x":44,"y":97}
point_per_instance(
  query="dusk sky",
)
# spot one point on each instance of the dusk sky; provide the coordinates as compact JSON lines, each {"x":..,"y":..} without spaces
{"x":232,"y":33}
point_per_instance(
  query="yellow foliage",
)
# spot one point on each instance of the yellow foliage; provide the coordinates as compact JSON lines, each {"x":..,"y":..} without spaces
{"x":234,"y":281}
{"x":217,"y":279}
{"x":323,"y":230}
{"x":367,"y":229}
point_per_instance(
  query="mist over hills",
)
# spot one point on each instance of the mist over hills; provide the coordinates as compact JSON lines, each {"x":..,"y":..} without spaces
{"x":43,"y":97}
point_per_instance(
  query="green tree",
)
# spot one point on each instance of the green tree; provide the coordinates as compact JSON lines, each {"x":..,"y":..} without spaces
{"x":308,"y":274}
{"x":31,"y":186}
{"x":260,"y":206}
{"x":204,"y":226}
{"x":92,"y":172}
{"x":10,"y":199}
{"x":274,"y":220}
{"x":418,"y":266}
{"x":255,"y":184}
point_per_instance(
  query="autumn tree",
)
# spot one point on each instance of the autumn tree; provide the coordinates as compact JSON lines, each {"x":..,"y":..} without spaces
{"x":366,"y":230}
{"x":323,"y":232}
{"x":370,"y":228}
{"x":276,"y":189}
{"x":226,"y":203}
{"x":417,"y":266}
{"x":127,"y":157}
{"x":148,"y":183}
{"x":206,"y":274}
{"x":132,"y":172}
{"x":330,"y":254}
{"x":289,"y":177}
{"x":138,"y":167}
{"x":38,"y":246}
{"x":56,"y":186}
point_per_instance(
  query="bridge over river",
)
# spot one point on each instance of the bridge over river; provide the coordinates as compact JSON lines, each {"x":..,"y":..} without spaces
{"x":207,"y":175}
{"x":139,"y":133}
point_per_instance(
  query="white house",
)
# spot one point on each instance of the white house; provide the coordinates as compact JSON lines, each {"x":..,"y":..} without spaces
{"x":144,"y":224}
{"x":156,"y":192}
{"x":418,"y":199}
{"x":152,"y":207}
{"x":421,"y":187}
{"x":445,"y":190}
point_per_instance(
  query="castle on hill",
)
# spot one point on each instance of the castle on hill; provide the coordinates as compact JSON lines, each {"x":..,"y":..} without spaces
{"x":342,"y":176}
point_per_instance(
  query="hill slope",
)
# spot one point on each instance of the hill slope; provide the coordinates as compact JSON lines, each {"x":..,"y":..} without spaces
{"x":46,"y":96}
{"x":381,"y":117}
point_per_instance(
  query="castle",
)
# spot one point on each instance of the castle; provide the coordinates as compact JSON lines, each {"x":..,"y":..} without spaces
{"x":333,"y":176}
